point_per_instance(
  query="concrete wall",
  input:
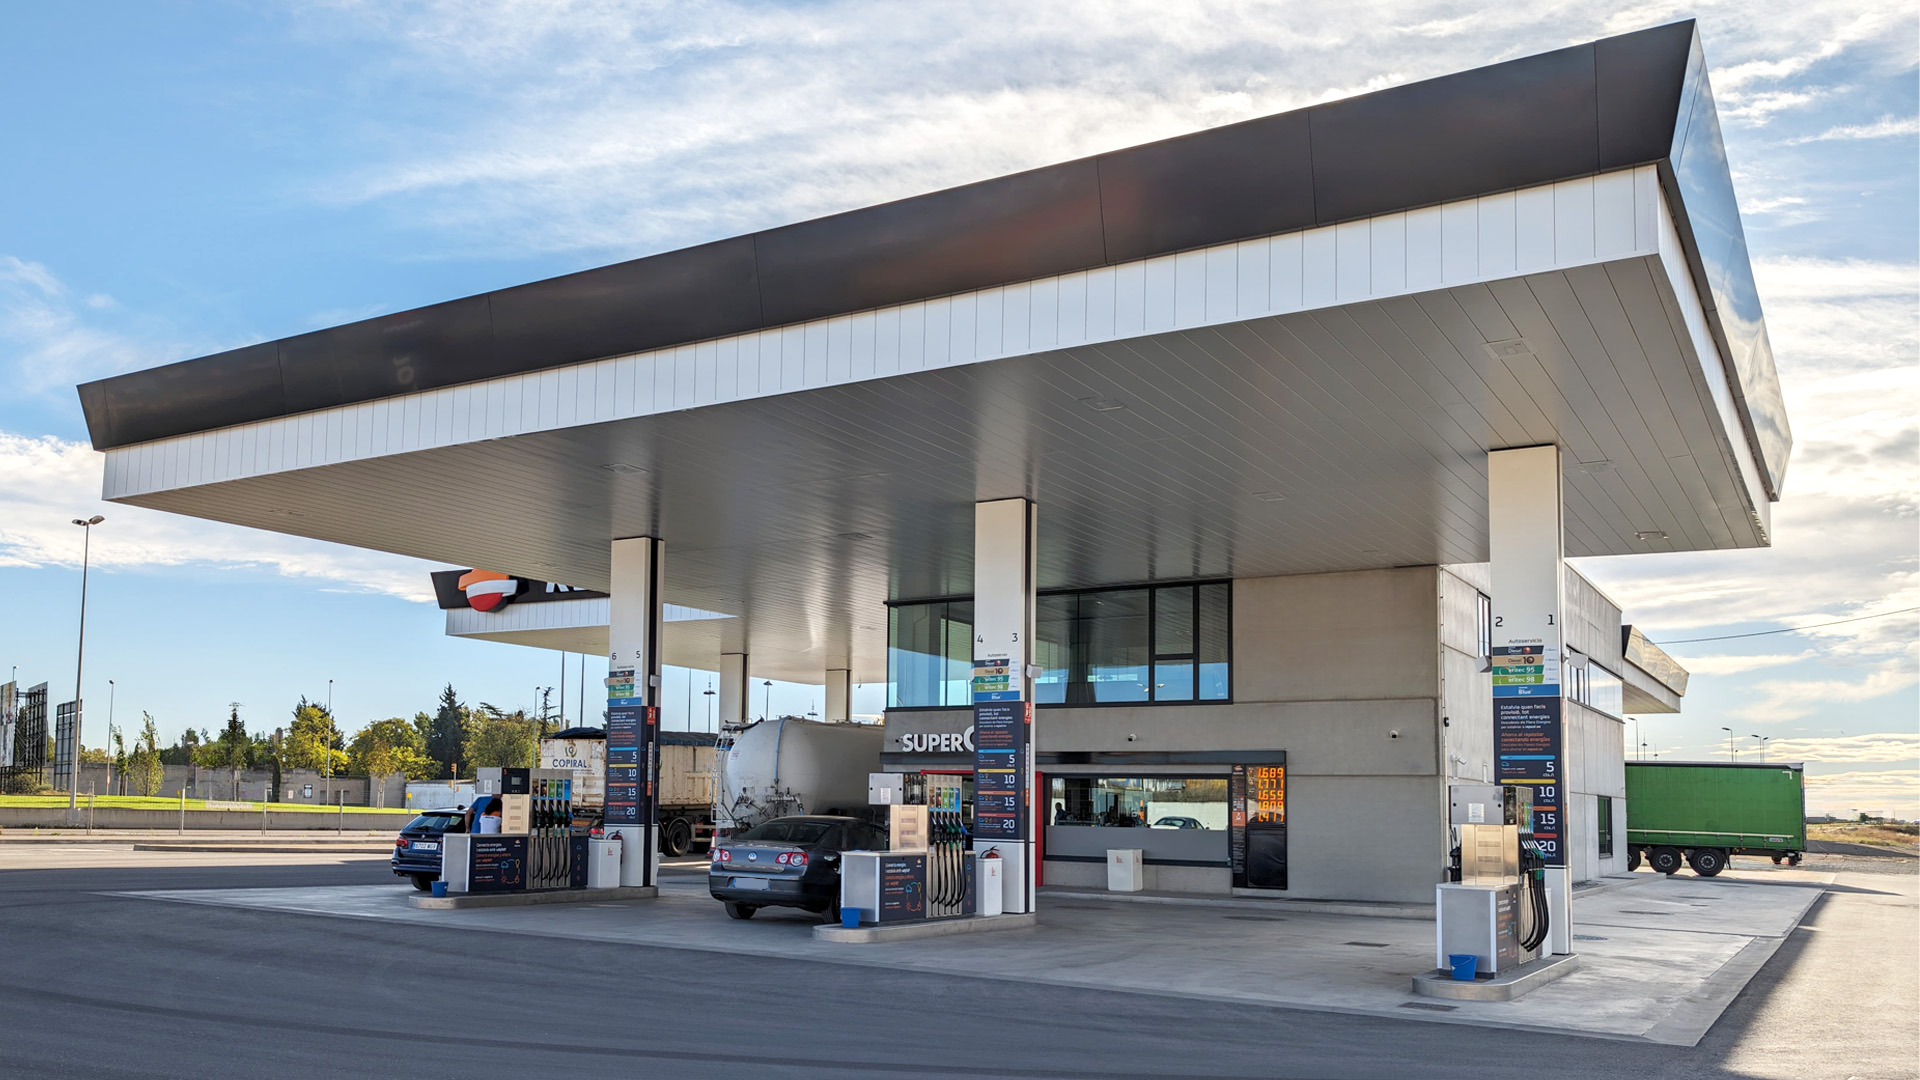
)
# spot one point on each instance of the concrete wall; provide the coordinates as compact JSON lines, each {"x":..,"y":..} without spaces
{"x":1596,"y":743}
{"x":204,"y":783}
{"x":1333,"y":637}
{"x":23,"y":817}
{"x":1466,"y":691}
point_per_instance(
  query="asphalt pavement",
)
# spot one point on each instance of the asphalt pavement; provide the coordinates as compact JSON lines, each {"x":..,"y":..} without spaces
{"x":106,"y":986}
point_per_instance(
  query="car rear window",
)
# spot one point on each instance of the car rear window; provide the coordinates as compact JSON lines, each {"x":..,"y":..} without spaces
{"x":435,"y":822}
{"x":789,"y":831}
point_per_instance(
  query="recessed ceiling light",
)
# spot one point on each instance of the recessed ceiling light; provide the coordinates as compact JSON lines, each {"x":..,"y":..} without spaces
{"x":1650,"y":534}
{"x":1103,"y":404}
{"x":1515,"y":347}
{"x":1600,"y":466}
{"x":1268,"y":496}
{"x":286,"y":513}
{"x":853,"y":536}
{"x":624,"y":469}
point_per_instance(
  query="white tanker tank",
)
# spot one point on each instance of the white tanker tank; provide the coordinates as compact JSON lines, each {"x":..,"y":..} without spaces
{"x":792,"y":766}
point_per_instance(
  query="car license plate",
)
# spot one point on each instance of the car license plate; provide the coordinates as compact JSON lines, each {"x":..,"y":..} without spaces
{"x":751,"y":883}
{"x":427,"y":845}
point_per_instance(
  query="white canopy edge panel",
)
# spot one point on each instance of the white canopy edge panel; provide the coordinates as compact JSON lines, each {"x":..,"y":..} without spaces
{"x":1570,"y":224}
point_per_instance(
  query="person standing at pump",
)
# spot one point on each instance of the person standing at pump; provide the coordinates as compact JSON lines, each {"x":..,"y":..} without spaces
{"x":489,"y":819}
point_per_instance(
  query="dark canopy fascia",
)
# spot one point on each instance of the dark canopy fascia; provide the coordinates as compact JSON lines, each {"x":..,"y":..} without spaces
{"x":1623,"y":101}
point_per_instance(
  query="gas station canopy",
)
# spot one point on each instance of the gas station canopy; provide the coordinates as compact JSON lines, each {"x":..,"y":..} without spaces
{"x":1276,"y":347}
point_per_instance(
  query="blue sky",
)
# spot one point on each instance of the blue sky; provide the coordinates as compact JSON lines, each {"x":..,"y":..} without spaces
{"x":180,"y":178}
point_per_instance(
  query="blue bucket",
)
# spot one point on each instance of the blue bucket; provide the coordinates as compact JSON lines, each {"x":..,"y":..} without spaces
{"x":1463,"y":966}
{"x":850,"y":918}
{"x":440,"y":888}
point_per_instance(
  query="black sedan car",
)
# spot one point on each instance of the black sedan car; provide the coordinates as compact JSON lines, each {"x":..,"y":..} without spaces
{"x":788,"y":862}
{"x":416,"y":851}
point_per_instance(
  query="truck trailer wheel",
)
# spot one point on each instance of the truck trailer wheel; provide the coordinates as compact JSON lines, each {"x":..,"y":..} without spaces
{"x":1633,"y":859}
{"x":1708,"y":862}
{"x":676,"y":838}
{"x":1665,"y":860}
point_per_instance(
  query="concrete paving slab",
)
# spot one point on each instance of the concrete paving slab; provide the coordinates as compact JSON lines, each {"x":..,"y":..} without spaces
{"x":1664,"y":977}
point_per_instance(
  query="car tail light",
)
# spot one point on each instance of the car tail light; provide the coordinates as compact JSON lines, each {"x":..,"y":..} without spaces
{"x":722,"y":855}
{"x":399,"y":841}
{"x":796,"y":858}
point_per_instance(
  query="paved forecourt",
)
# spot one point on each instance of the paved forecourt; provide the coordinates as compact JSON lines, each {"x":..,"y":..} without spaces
{"x":1661,"y":957}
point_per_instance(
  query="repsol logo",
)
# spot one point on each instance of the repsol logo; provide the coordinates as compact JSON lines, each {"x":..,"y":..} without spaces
{"x":929,"y":742}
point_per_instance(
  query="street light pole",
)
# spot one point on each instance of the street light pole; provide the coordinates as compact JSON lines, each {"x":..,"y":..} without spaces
{"x":326,"y":788}
{"x":709,"y":695}
{"x":108,"y":745}
{"x":1733,"y":754}
{"x":80,"y":663}
{"x":766,"y":711}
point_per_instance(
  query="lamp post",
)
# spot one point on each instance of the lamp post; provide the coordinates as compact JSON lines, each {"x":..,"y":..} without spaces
{"x":766,"y":712}
{"x":326,"y":787}
{"x":1733,"y":752}
{"x":80,"y":663}
{"x":109,"y":742}
{"x":1764,"y":739}
{"x":708,"y":693}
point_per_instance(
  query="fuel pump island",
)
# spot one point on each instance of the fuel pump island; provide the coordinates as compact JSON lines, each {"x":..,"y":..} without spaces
{"x":538,"y":855}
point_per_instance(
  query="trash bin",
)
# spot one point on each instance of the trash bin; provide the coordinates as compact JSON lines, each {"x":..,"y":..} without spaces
{"x":440,"y":888}
{"x":1124,"y":870}
{"x":1464,"y":965}
{"x":989,"y":890}
{"x":850,"y":918}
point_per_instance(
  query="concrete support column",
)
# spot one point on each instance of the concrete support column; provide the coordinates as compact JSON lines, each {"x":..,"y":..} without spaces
{"x":1526,"y":544}
{"x":1003,"y":621}
{"x":839,"y":696}
{"x":633,"y":706}
{"x":733,"y":690}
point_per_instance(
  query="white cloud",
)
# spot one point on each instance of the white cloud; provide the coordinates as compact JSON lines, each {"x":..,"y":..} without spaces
{"x":1875,"y":749}
{"x":46,"y":482}
{"x":1737,"y":665}
{"x":1887,"y":127}
{"x":1895,"y":792}
{"x":1791,"y":699}
{"x":630,"y":127}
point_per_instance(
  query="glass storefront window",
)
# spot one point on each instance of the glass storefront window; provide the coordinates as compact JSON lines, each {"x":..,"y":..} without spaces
{"x":1175,"y":819}
{"x":929,"y":654}
{"x":1167,"y":643}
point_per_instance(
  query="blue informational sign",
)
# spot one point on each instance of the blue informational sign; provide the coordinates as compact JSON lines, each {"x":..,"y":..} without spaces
{"x":497,"y":864}
{"x":632,"y":778}
{"x":1529,"y":740}
{"x":1000,"y":747}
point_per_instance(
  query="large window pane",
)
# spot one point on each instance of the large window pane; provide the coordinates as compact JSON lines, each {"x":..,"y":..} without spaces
{"x":1054,"y":648}
{"x":1117,"y":644}
{"x":1213,"y":641}
{"x":1181,"y":819}
{"x":1166,"y":644}
{"x":929,"y":654}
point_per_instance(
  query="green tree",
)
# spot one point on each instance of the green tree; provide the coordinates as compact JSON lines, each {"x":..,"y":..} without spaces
{"x":185,"y":750}
{"x":507,"y":740}
{"x":388,"y":747}
{"x":446,"y":734}
{"x":232,"y":751}
{"x":313,"y":741}
{"x":145,"y":771}
{"x":119,"y":757}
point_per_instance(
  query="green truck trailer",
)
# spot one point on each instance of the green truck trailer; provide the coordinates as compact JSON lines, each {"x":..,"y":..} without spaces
{"x":1705,"y":812}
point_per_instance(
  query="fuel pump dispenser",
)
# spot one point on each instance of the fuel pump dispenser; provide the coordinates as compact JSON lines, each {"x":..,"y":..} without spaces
{"x":550,"y":839}
{"x":926,"y":871}
{"x":1495,"y":906}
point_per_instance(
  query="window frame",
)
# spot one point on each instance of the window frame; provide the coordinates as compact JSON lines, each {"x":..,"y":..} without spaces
{"x":1153,"y":658}
{"x":1603,"y":824}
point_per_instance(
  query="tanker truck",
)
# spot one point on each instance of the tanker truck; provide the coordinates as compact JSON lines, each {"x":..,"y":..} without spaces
{"x":686,"y":782}
{"x":792,"y":766}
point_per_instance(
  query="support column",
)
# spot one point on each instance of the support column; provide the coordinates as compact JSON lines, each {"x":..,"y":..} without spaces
{"x":633,"y":707}
{"x":733,"y":690}
{"x":1526,"y":543}
{"x":1003,"y":621}
{"x":839,"y":696}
